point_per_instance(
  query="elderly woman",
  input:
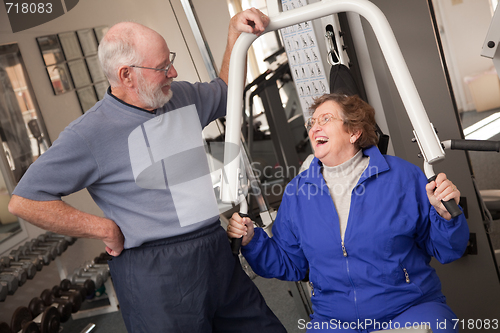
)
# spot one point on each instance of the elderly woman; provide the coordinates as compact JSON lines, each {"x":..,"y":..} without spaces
{"x":364,"y":226}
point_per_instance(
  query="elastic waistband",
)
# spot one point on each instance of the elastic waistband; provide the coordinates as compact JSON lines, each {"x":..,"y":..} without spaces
{"x":210,"y":229}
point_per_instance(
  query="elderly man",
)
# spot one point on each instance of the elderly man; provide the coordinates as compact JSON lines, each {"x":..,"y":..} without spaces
{"x":139,"y":152}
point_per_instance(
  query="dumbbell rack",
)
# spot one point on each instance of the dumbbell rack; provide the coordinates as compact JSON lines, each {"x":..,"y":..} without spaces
{"x":110,"y":294}
{"x":24,"y":262}
{"x":38,"y":253}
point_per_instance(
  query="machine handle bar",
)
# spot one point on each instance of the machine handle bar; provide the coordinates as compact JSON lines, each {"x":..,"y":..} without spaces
{"x":450,"y":205}
{"x":475,"y":145}
{"x":236,"y":242}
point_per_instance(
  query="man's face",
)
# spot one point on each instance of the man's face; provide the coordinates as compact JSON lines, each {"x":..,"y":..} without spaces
{"x":151,"y":93}
{"x":153,"y":86}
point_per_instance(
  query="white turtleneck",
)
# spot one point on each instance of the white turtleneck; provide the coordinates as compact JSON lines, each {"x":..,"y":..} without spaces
{"x":341,"y":180}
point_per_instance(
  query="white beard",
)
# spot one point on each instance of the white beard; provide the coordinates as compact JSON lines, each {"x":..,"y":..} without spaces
{"x":152,"y":96}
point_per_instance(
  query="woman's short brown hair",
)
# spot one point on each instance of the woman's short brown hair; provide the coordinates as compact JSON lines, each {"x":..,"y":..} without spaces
{"x":356,"y":114}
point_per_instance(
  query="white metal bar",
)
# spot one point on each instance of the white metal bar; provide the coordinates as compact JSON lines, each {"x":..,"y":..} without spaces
{"x":272,"y":7}
{"x":431,"y":147}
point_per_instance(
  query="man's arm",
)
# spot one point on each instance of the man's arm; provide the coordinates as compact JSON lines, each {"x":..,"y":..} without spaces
{"x":59,"y":217}
{"x":252,"y":21}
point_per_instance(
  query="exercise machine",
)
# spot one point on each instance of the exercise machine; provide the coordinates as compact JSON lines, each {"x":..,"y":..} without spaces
{"x":477,"y":300}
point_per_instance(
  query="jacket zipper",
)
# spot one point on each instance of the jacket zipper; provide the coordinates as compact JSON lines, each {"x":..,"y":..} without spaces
{"x":343,"y":249}
{"x":407,"y":276}
{"x":312,"y":287}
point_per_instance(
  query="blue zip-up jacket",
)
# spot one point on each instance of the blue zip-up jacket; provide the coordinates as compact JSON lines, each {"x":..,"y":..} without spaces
{"x":382,"y":268}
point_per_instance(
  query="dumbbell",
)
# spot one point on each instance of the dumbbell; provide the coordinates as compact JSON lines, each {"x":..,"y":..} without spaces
{"x":69,"y":239}
{"x":4,"y":261}
{"x":20,"y":318}
{"x":46,"y":322}
{"x":79,"y":276}
{"x":100,"y":264}
{"x":11,"y":281}
{"x":26,"y":265}
{"x":61,"y":245}
{"x":30,"y":327}
{"x":88,"y":266}
{"x":34,"y":245}
{"x":4,"y":290}
{"x":87,"y":289}
{"x":103,"y":258}
{"x":56,"y":295}
{"x":18,"y":272}
{"x":74,"y":295}
{"x":37,"y":306}
{"x":17,"y":256}
{"x":4,"y":327}
{"x":42,"y":255}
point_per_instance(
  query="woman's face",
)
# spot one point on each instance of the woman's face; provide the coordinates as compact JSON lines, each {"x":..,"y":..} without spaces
{"x":331,"y":142}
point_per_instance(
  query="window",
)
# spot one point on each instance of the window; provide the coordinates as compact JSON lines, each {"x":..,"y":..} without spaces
{"x":22,"y":132}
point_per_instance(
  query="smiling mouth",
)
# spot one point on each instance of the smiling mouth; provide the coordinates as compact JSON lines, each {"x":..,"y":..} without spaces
{"x":321,"y":141}
{"x":169,"y":83}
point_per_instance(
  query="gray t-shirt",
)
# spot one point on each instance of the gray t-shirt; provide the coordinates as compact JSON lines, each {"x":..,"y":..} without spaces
{"x":148,"y":172}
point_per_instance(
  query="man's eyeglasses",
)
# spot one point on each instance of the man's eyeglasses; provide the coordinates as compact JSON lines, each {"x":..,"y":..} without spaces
{"x":172,"y":58}
{"x":323,"y":119}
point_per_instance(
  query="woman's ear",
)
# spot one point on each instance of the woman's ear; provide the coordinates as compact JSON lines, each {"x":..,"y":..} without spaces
{"x":355,"y":136}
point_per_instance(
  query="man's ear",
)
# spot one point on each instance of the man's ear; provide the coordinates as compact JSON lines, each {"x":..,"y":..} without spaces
{"x":125,"y":76}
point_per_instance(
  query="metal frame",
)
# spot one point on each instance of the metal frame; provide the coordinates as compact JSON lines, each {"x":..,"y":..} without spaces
{"x":490,"y":46}
{"x":281,"y":134}
{"x":424,"y":132}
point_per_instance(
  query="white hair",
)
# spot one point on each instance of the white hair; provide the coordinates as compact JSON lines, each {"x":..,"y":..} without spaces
{"x":115,"y":51}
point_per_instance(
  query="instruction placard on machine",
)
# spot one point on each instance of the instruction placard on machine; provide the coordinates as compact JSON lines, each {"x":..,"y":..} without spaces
{"x":304,"y":58}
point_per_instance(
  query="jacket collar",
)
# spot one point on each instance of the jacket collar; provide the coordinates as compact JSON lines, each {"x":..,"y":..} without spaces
{"x":377,"y":165}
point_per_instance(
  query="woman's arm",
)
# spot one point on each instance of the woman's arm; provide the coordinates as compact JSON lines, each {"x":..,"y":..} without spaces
{"x":279,"y":256}
{"x":445,"y":238}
